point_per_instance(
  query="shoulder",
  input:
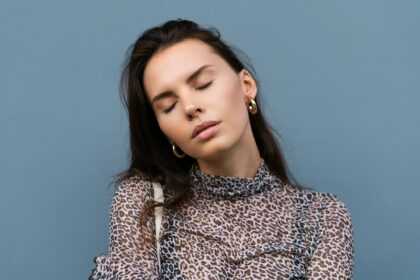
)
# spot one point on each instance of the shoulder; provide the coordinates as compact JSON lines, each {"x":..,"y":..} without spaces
{"x":133,"y":190}
{"x":322,"y":201}
{"x":322,"y":207}
{"x":332,"y":212}
{"x":314,"y":199}
{"x":333,"y":207}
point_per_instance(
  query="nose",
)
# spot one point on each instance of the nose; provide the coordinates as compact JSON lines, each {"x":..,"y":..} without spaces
{"x":192,"y":110}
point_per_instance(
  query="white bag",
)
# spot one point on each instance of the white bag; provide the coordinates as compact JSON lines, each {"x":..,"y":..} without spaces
{"x":158,"y":197}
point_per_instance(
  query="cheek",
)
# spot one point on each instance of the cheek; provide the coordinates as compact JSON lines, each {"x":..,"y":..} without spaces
{"x":233,"y":105}
{"x":176,"y":133}
{"x":167,"y":129}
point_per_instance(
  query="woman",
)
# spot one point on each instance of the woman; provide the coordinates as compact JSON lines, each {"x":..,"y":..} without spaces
{"x":231,"y":209}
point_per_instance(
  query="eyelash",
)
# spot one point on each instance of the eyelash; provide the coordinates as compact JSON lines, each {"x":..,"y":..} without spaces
{"x":199,"y":88}
{"x":205,"y":86}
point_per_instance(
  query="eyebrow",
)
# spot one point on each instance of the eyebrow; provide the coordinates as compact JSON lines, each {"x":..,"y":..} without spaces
{"x":190,"y":78}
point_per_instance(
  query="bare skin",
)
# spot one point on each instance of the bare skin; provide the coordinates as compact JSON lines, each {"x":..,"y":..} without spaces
{"x":217,"y":93}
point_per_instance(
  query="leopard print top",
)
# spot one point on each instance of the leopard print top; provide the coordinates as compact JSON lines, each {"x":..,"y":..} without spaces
{"x":232,"y":228}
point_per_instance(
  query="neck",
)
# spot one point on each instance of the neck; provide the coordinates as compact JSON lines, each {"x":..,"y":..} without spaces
{"x":240,"y":161}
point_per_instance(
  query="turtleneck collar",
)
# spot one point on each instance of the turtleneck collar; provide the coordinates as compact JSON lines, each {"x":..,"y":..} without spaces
{"x":230,"y":186}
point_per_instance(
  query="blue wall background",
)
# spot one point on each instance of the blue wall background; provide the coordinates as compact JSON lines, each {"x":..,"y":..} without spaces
{"x":340,"y":81}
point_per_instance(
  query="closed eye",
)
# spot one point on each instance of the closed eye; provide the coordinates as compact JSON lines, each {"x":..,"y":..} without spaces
{"x":170,"y":108}
{"x":199,"y":88}
{"x":204,"y":86}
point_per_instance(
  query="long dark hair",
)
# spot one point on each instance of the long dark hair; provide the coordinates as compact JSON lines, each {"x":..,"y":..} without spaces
{"x":151,"y":153}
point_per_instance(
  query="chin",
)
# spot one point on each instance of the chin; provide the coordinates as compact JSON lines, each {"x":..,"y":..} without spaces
{"x":214,"y":150}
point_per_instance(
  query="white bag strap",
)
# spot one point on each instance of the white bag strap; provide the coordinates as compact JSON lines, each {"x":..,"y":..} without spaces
{"x":158,"y":197}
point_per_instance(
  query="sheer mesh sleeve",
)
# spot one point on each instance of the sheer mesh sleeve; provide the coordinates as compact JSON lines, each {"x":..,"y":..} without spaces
{"x":129,"y":257}
{"x":333,"y":256}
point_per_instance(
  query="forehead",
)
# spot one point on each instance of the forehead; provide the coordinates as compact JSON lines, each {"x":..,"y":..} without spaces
{"x":175,"y":63}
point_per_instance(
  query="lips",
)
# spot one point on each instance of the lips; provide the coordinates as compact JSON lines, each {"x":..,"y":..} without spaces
{"x":203,"y":126}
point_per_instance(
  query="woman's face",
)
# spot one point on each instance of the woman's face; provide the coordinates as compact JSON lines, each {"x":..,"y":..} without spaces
{"x":188,"y":84}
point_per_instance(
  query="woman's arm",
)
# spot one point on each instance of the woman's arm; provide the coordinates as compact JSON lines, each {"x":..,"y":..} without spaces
{"x":333,"y":257}
{"x":129,"y":257}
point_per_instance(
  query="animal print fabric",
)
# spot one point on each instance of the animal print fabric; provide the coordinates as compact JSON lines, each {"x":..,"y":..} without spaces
{"x":232,"y":228}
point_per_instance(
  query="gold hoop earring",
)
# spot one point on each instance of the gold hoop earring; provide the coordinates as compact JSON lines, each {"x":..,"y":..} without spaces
{"x":178,"y":155}
{"x":252,"y":106}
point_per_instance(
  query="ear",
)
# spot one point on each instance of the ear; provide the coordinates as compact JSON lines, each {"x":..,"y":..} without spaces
{"x":249,"y":85}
